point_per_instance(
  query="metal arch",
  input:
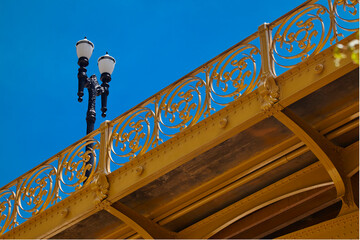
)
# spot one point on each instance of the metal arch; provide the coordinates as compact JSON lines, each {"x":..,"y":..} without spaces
{"x":311,"y":177}
{"x":328,"y":153}
{"x":280,"y":214}
{"x":269,"y":202}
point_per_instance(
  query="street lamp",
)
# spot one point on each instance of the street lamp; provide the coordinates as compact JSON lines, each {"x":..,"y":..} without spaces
{"x":106,"y":64}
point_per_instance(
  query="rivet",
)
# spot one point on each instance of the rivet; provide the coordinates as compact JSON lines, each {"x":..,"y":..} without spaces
{"x":139,"y":170}
{"x":223,"y":122}
{"x":319,"y":68}
{"x":65,"y":212}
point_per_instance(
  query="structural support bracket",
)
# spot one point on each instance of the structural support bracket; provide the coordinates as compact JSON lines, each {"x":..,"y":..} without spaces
{"x":142,"y":225}
{"x":348,"y":202}
{"x":268,"y":87}
{"x":101,"y":184}
{"x":328,"y":153}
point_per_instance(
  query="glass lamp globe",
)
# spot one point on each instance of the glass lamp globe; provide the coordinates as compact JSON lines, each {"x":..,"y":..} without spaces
{"x":84,"y":48}
{"x":106,"y":64}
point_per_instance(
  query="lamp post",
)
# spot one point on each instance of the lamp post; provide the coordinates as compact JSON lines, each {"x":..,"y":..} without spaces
{"x":106,"y":64}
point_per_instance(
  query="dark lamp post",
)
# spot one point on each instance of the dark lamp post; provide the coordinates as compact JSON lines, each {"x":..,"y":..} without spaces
{"x":106,"y":64}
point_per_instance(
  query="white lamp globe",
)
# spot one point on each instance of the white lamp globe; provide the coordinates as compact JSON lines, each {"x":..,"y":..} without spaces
{"x":84,"y":48}
{"x":106,"y":64}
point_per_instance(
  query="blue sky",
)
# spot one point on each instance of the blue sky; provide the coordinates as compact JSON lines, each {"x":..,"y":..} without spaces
{"x":154,"y":43}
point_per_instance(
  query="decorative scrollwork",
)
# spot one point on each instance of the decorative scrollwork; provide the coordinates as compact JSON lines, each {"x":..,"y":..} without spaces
{"x":181,"y":106}
{"x":7,"y":210}
{"x":346,"y":14}
{"x":301,"y":34}
{"x":307,"y":30}
{"x":234,"y":74}
{"x":37,"y":191}
{"x":100,"y":187}
{"x":72,"y":173}
{"x":47,"y":184}
{"x":165,"y":115}
{"x":133,"y":133}
{"x":269,"y":91}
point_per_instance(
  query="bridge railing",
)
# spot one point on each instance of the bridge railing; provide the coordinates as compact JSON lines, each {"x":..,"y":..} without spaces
{"x":49,"y":183}
{"x":270,"y":51}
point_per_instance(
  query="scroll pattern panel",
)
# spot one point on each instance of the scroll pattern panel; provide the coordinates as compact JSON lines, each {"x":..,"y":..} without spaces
{"x":48,"y":183}
{"x":188,"y":101}
{"x":311,"y":28}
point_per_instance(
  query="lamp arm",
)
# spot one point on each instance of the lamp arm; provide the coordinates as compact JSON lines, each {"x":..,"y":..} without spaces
{"x":105,"y":78}
{"x":104,"y":96}
{"x":81,"y":89}
{"x":82,"y":77}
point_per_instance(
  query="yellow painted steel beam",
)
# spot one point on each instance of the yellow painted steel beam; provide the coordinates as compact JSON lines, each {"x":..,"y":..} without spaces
{"x":223,"y":183}
{"x":343,"y":227}
{"x":142,"y":225}
{"x":311,"y":177}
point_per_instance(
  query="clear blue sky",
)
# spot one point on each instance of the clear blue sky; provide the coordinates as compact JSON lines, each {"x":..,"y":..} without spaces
{"x":154,"y":43}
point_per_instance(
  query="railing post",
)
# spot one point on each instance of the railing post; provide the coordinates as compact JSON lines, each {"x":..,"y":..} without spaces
{"x":101,"y":184}
{"x":268,"y":88}
{"x":265,"y":48}
{"x":104,"y":155}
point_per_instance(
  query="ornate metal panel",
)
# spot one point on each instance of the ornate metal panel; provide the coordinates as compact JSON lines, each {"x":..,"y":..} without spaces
{"x":306,"y":30}
{"x":186,"y":102}
{"x":48,"y":183}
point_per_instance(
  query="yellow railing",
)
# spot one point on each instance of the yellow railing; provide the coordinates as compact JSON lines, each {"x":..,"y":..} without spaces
{"x":250,"y":64}
{"x":48,"y":183}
